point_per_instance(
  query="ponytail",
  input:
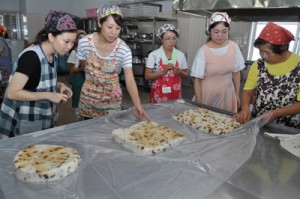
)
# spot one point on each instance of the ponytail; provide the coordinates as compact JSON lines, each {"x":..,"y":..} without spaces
{"x":40,"y":37}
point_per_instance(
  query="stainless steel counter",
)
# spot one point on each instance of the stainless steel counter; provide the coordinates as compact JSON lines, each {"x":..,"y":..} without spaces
{"x":244,"y":164}
{"x":270,"y":173}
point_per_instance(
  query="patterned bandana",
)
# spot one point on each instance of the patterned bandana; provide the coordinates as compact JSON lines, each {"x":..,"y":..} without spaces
{"x":58,"y":21}
{"x":219,"y":16}
{"x":108,"y":9}
{"x":164,"y":29}
{"x":275,"y":34}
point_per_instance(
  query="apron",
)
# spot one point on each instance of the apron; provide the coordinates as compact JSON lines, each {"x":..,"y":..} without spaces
{"x":21,"y":117}
{"x":217,"y":86}
{"x":277,"y":91}
{"x":168,"y":87}
{"x":101,"y":92}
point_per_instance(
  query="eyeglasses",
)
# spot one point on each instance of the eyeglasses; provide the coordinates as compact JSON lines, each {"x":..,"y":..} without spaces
{"x":170,"y":38}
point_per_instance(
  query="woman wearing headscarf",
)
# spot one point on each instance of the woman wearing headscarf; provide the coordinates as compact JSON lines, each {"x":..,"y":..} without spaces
{"x":33,"y":91}
{"x":103,"y":55}
{"x":273,"y":81}
{"x":166,"y":66}
{"x":217,"y":65}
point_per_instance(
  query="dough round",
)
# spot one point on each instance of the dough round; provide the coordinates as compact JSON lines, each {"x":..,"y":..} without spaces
{"x":45,"y":163}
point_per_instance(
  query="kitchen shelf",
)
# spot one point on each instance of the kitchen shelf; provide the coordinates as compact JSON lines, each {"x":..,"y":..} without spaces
{"x":138,"y":40}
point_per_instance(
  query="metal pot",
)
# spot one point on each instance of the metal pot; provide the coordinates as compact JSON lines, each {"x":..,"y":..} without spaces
{"x":143,"y":35}
{"x":131,"y":35}
{"x":136,"y":59}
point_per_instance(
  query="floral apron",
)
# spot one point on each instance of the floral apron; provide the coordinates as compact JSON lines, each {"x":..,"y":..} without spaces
{"x":101,"y":92}
{"x":277,"y":91}
{"x":167,"y":87}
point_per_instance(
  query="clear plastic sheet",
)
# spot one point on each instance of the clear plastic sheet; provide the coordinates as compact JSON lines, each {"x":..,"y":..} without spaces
{"x":192,"y":170}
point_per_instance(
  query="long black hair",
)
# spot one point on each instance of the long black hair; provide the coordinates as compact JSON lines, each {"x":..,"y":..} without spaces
{"x":43,"y":35}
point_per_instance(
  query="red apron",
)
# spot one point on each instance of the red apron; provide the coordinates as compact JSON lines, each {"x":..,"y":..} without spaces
{"x":167,"y":87}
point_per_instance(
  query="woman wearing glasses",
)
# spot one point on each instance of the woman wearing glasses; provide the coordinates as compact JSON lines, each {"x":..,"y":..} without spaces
{"x":217,"y":67}
{"x":165,"y":67}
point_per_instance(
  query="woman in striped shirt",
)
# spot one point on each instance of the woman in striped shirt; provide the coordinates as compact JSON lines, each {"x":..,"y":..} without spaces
{"x":104,"y":56}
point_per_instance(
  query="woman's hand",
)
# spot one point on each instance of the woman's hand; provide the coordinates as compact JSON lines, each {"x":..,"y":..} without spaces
{"x":139,"y":113}
{"x":243,"y":116}
{"x":58,"y":97}
{"x":167,"y":68}
{"x":270,"y":116}
{"x":176,"y":70}
{"x":63,"y":89}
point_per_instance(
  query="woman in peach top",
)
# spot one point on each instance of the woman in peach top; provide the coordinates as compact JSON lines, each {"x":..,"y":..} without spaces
{"x":217,"y":65}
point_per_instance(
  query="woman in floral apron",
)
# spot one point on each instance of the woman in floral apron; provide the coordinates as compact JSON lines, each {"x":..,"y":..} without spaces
{"x":33,"y":90}
{"x":165,"y":67}
{"x":273,"y":81}
{"x":104,"y":56}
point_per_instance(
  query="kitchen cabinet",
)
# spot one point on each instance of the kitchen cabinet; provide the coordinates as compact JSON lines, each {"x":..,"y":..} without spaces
{"x":139,"y":33}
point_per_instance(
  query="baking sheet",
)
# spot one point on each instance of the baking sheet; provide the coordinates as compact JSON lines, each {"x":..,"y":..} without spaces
{"x":194,"y":169}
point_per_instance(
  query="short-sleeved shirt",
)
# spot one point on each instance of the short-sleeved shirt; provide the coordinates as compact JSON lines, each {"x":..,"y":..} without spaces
{"x":155,"y":56}
{"x":73,"y":59}
{"x":29,"y":64}
{"x":123,"y":57}
{"x":198,"y":67}
{"x":274,"y":69}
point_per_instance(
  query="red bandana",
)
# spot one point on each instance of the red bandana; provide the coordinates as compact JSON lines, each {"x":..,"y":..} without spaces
{"x":275,"y":34}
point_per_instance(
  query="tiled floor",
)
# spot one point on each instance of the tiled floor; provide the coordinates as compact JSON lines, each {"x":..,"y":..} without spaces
{"x":67,"y":114}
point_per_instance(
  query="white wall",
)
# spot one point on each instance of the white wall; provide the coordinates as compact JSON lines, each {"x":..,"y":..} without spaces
{"x":191,"y":36}
{"x":10,"y":5}
{"x":36,"y":10}
{"x":43,"y":6}
{"x":76,"y":7}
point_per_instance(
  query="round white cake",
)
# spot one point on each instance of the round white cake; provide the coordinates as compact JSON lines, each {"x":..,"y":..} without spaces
{"x":45,"y":163}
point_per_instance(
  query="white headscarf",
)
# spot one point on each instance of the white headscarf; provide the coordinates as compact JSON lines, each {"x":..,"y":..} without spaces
{"x":219,"y":16}
{"x":165,"y":28}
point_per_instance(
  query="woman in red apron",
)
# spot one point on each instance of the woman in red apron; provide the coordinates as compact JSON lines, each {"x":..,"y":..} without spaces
{"x":104,"y":56}
{"x":165,"y":67}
